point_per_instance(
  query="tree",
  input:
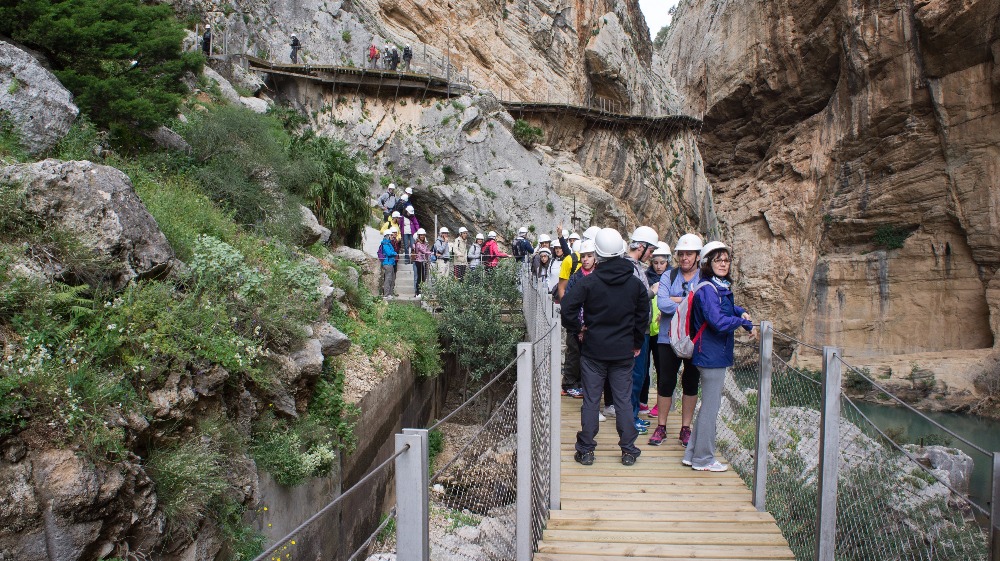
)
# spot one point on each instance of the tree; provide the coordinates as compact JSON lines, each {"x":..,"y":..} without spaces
{"x":122,"y":59}
{"x":661,"y":36}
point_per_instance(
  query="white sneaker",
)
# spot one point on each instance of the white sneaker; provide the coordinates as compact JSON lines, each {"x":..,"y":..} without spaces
{"x":609,"y":411}
{"x":601,"y":417}
{"x":714,"y":466}
{"x":686,"y":463}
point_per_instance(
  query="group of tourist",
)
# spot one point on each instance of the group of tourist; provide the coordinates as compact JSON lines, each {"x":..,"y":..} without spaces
{"x":617,"y":303}
{"x":390,"y":57}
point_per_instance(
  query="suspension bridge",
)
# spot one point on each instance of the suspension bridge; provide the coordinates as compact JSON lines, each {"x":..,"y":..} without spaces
{"x":811,"y":477}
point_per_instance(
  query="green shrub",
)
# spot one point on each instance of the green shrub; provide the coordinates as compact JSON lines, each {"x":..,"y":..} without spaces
{"x":10,"y":142}
{"x":890,"y":237}
{"x":418,"y":329}
{"x":346,"y":36}
{"x":329,"y":408}
{"x":188,"y":478}
{"x":526,"y":134}
{"x":91,"y":45}
{"x":291,"y":453}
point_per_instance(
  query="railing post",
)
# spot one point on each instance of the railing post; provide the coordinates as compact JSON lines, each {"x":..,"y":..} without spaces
{"x":522,"y":532}
{"x":829,"y":457}
{"x":763,"y":415}
{"x":412,"y":525}
{"x":995,"y":511}
{"x":555,"y":415}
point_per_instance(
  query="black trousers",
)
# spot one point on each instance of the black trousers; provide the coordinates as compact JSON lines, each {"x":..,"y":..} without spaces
{"x":593,"y":373}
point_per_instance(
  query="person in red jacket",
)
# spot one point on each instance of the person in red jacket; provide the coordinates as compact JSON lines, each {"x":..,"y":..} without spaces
{"x":491,"y":251}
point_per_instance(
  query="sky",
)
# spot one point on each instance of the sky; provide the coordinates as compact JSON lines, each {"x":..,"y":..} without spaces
{"x":656,"y":13}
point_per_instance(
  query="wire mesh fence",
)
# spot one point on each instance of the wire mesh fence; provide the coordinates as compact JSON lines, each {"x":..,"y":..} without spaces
{"x":891,"y":504}
{"x":539,"y":313}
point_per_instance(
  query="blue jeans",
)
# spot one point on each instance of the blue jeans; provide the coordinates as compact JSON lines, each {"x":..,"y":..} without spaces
{"x":639,"y":372}
{"x":408,"y":246}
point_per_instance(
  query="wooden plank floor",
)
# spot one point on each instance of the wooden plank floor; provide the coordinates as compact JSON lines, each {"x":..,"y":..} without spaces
{"x":656,"y":509}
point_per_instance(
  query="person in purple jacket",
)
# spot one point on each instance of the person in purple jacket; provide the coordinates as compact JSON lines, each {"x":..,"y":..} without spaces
{"x":715,"y":317}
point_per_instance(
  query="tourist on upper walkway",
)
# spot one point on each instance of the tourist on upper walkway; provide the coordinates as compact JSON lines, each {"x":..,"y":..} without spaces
{"x":522,"y":248}
{"x":715,"y":317}
{"x":388,"y":255}
{"x":441,"y":252}
{"x":373,"y":55}
{"x":409,"y":226}
{"x":407,"y":58}
{"x":617,"y":313}
{"x":673,"y":289}
{"x":387,"y":56}
{"x":394,"y":58}
{"x":642,"y":243}
{"x":296,"y":45}
{"x":421,"y":260}
{"x":386,"y":201}
{"x":206,"y":41}
{"x":476,"y":252}
{"x":460,"y":253}
{"x":491,"y":251}
{"x":571,"y":358}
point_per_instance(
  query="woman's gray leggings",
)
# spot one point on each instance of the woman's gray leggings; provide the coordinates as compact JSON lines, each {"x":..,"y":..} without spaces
{"x":701,"y":449}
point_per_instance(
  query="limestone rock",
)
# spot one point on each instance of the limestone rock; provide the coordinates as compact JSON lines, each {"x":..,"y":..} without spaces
{"x":312,"y":230}
{"x":351,"y":254}
{"x":954,"y":463}
{"x":332,"y":340}
{"x":229,"y":93}
{"x":99,"y":205}
{"x":40,"y":108}
{"x":254,"y":104}
{"x":169,"y":140}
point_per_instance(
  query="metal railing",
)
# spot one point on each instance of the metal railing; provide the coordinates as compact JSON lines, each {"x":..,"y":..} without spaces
{"x":836,"y":483}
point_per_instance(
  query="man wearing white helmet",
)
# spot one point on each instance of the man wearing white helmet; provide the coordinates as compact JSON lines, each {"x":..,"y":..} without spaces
{"x":460,"y":255}
{"x":296,"y":46}
{"x":441,"y":252}
{"x":206,"y":41}
{"x":642,"y":243}
{"x":674,"y":288}
{"x":387,"y":255}
{"x":616,"y":308}
{"x":387,"y":200}
{"x":571,"y":260}
{"x":522,"y":247}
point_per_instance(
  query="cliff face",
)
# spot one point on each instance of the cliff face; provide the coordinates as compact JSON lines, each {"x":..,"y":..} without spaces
{"x":832,"y":131}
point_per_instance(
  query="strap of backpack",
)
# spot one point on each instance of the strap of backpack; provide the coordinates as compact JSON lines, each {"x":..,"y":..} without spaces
{"x":673,"y":275}
{"x":574,"y":261}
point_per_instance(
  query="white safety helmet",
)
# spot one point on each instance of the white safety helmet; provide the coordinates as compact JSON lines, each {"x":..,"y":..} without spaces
{"x":391,"y":187}
{"x":409,"y":208}
{"x":408,"y":191}
{"x":421,"y":232}
{"x":443,"y":230}
{"x":394,"y":230}
{"x":293,"y":35}
{"x":544,"y":250}
{"x":396,"y":214}
{"x":609,"y":243}
{"x":573,"y":236}
{"x":645,"y":234}
{"x":689,"y":242}
{"x":576,"y":246}
{"x":462,"y":230}
{"x":662,"y":250}
{"x":587,"y":247}
{"x":522,"y":230}
{"x":404,"y":197}
{"x":479,"y":236}
{"x":544,"y":238}
{"x":491,"y":235}
{"x":565,"y":234}
{"x":208,"y":27}
{"x":709,"y":248}
{"x":591,"y":233}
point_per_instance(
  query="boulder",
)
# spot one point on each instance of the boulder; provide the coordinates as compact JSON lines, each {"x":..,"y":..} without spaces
{"x":351,"y":254}
{"x":229,"y":93}
{"x":313,"y":231}
{"x":332,"y":340}
{"x":99,"y":205}
{"x":254,"y":104}
{"x":168,"y":139}
{"x":40,"y":108}
{"x":954,"y":463}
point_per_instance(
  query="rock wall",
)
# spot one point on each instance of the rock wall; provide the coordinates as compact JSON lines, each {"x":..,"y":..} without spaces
{"x":832,"y":130}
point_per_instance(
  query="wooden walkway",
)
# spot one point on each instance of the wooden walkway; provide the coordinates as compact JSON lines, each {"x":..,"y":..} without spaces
{"x":656,"y":509}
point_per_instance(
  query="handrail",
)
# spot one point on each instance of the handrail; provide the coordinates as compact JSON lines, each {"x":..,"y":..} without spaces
{"x":331,"y":504}
{"x":793,"y":339}
{"x":475,"y":395}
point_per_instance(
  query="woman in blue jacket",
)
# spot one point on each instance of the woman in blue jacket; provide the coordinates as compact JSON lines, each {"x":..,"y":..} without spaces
{"x":714,"y":320}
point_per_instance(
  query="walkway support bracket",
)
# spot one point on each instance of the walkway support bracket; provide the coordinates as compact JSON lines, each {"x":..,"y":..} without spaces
{"x":829,"y":456}
{"x":763,"y":415}
{"x":555,"y":408}
{"x":522,"y":529}
{"x":412,"y":512}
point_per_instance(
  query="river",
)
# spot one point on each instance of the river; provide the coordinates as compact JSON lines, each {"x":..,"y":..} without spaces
{"x":983,"y":432}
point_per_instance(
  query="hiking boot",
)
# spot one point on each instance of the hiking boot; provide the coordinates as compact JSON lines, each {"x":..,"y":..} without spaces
{"x":641,"y":428}
{"x":628,"y":459}
{"x":654,"y":412}
{"x":574,"y":393}
{"x":658,"y":435}
{"x":585,"y":458}
{"x":685,"y":436}
{"x":715,"y":466}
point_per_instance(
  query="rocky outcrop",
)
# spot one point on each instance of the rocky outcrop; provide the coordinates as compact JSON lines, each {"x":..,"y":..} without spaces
{"x":32,"y":98}
{"x":852,"y":148}
{"x":99,"y":206}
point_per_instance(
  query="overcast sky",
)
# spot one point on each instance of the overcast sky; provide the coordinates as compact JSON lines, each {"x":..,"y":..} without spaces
{"x":656,"y":13}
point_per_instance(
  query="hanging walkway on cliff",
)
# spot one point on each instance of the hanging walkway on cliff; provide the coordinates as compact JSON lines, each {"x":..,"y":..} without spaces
{"x":382,"y":82}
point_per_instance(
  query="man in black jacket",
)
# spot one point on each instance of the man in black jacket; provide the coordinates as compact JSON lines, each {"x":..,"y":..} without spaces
{"x":615,"y":319}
